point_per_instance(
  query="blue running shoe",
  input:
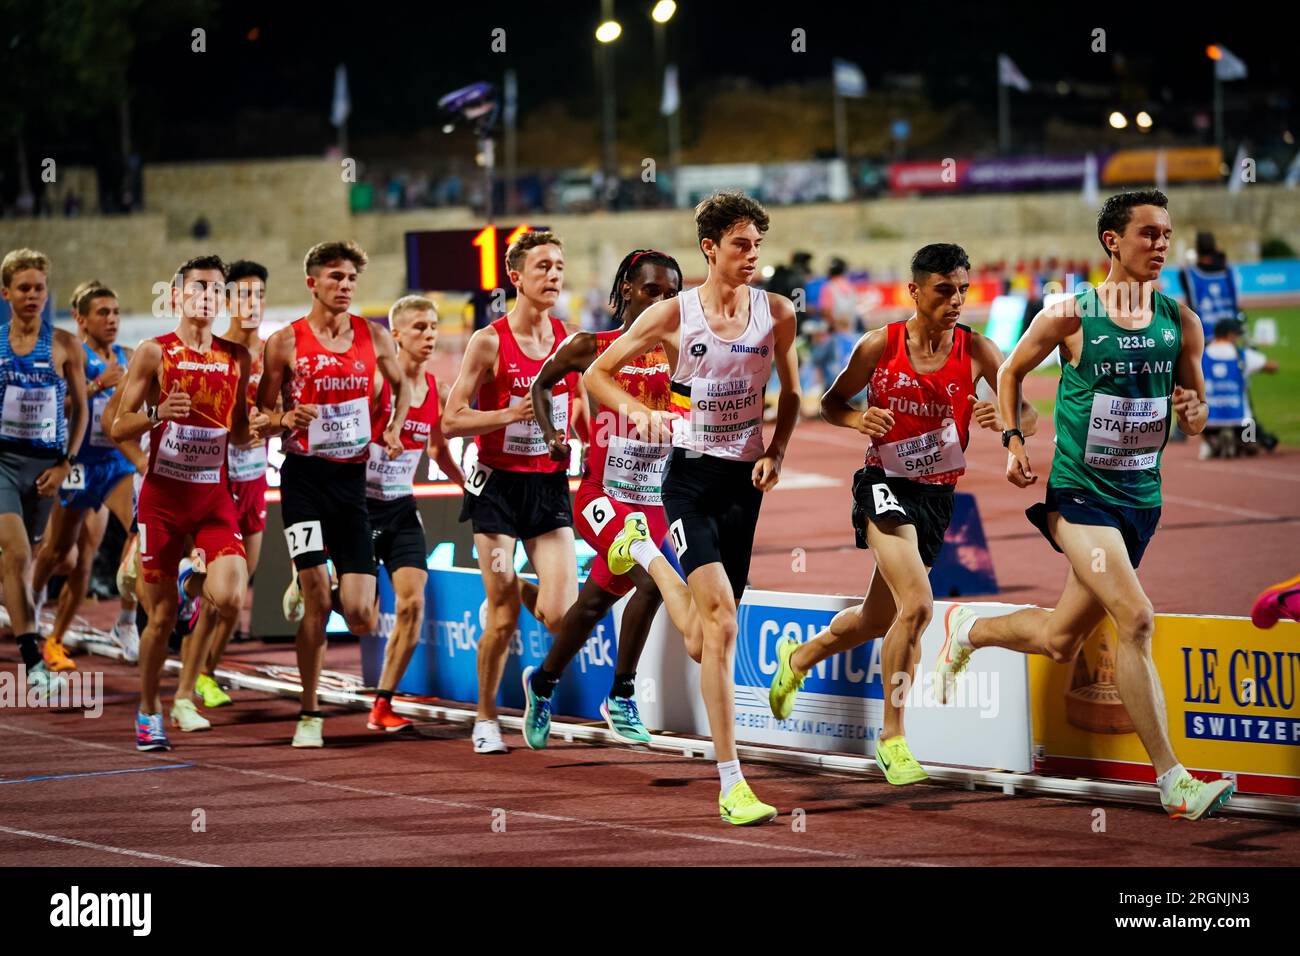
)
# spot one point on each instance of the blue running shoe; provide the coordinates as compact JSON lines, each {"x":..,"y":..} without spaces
{"x":624,"y":719}
{"x":537,"y":714}
{"x":149,"y":733}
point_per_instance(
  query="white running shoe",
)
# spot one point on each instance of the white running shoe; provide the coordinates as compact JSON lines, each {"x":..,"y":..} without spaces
{"x":487,"y":738}
{"x":187,"y":717}
{"x":127,"y":637}
{"x":292,"y":603}
{"x":308,"y":733}
{"x":953,"y":656}
{"x":47,"y":683}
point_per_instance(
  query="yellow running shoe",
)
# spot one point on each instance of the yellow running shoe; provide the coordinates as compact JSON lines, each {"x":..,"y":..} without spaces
{"x":1192,"y":799}
{"x":211,"y":692}
{"x":786,"y":682}
{"x":896,"y":760}
{"x":56,"y":656}
{"x":620,"y":558}
{"x":739,"y":806}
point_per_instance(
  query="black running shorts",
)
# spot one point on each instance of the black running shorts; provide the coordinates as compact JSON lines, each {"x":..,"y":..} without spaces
{"x":886,"y":501}
{"x":712,"y":508}
{"x":325,"y":515}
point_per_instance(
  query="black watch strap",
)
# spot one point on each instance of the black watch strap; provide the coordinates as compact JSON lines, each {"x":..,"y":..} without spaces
{"x":1007,"y":433}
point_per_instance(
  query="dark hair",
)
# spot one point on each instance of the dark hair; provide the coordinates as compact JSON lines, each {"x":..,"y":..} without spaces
{"x":719,"y":212}
{"x":837,"y":267}
{"x":627,"y":269}
{"x":1118,"y":210}
{"x":1225,"y":327}
{"x":1205,"y":244}
{"x":938,"y":258}
{"x":197,"y":263}
{"x":323,"y":253}
{"x":245,"y":269}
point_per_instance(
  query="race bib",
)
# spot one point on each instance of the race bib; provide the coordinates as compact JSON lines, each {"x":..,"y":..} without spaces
{"x":247,"y":464}
{"x":31,"y":414}
{"x":191,"y":453}
{"x":724,"y":413}
{"x":97,"y":437}
{"x":1126,"y":434}
{"x":933,"y":453}
{"x":634,"y":470}
{"x":525,"y":438}
{"x":476,"y":478}
{"x":388,"y":480}
{"x":598,"y":513}
{"x":76,"y":480}
{"x":341,"y":430}
{"x":303,"y":537}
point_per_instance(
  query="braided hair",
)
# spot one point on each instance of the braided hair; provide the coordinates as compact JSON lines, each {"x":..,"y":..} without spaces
{"x":627,"y":268}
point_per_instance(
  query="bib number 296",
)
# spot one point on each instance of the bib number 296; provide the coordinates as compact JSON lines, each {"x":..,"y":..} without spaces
{"x":303,"y":537}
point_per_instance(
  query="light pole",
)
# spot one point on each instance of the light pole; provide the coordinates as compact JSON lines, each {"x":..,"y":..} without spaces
{"x":661,"y":13}
{"x":608,"y":31}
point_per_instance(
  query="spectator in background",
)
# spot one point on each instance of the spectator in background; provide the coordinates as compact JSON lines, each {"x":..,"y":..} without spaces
{"x":1209,"y":286}
{"x":201,"y":228}
{"x":786,"y":278}
{"x":1231,"y":428}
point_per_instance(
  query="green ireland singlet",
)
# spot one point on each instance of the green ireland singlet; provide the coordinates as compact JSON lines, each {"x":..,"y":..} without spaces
{"x":1113,"y":408}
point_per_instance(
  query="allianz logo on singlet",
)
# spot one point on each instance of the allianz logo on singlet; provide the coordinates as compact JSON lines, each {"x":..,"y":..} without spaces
{"x":341,"y":383}
{"x":749,"y":349}
{"x":921,"y":409}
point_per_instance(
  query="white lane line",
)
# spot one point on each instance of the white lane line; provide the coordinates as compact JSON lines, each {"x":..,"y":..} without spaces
{"x":1219,"y":506}
{"x":550,"y":817}
{"x":1247,"y":470}
{"x":86,"y":845}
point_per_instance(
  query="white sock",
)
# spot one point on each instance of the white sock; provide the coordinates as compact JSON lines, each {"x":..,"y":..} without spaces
{"x":481,"y":727}
{"x":126,"y":617}
{"x":1167,"y":780}
{"x":644,"y":552}
{"x":39,"y":606}
{"x":961,"y":636}
{"x":729,"y":772}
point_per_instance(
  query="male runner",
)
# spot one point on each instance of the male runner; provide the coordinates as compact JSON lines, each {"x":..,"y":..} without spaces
{"x":394,"y":519}
{"x":40,"y":368}
{"x":516,"y":490}
{"x":192,"y":385}
{"x":722,"y":340}
{"x":922,"y":374}
{"x":622,"y":482}
{"x":322,"y":368}
{"x":1128,"y":352}
{"x":102,"y":476}
{"x":245,"y":299}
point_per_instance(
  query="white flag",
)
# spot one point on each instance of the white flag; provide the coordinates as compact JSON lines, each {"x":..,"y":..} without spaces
{"x":1293,"y":172}
{"x":1009,"y":74}
{"x":672,"y":97}
{"x":1090,"y":186}
{"x":1228,"y":66}
{"x":848,"y":79}
{"x":342,"y":105}
{"x":1235,"y":182}
{"x":1162,"y":170}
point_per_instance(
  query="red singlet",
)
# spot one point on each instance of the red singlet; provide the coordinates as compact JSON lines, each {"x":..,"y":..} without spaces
{"x":340,"y":384}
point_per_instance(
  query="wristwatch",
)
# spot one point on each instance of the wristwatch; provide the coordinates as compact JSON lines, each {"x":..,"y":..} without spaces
{"x":70,"y":459}
{"x":152,"y":412}
{"x":1007,"y":433}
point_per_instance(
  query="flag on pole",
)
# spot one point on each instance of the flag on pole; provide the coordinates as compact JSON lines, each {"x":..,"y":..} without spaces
{"x":1293,"y":172}
{"x":1235,"y":182}
{"x":1162,"y":170}
{"x":342,"y":104}
{"x":1009,"y":74}
{"x":510,"y":98}
{"x":1090,"y":185}
{"x":671,"y":100}
{"x":848,"y":78}
{"x":1228,"y":66}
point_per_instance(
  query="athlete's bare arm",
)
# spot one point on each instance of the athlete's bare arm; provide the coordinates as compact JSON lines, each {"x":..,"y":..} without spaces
{"x":836,"y":401}
{"x":575,"y":355}
{"x":240,"y":433}
{"x":986,"y":360}
{"x":767,"y":470}
{"x":278,"y":357}
{"x":658,"y":325}
{"x":142,"y":384}
{"x":111,"y":376}
{"x":131,"y":449}
{"x":387,"y":366}
{"x":74,"y":373}
{"x":479,"y":364}
{"x":1189,"y":379}
{"x":1052,"y":328}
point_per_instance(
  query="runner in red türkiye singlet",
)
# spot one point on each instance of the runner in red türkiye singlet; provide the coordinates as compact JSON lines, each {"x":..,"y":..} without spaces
{"x":520,"y":446}
{"x":339,"y":383}
{"x":389,"y":479}
{"x":931,"y":412}
{"x":186,"y":488}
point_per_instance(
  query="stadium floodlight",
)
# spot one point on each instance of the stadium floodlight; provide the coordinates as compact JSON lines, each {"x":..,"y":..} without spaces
{"x":609,"y":31}
{"x":1118,"y":120}
{"x":663,"y":11}
{"x":1144,"y":119}
{"x":1213,"y":52}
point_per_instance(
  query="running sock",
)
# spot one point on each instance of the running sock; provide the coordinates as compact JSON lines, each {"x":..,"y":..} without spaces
{"x":624,"y":685}
{"x":543,"y":682}
{"x":309,"y":713}
{"x":30,"y":646}
{"x":126,"y":617}
{"x":961,"y":636}
{"x":385,"y":694}
{"x":1167,"y":780}
{"x":729,"y":772}
{"x":644,"y":552}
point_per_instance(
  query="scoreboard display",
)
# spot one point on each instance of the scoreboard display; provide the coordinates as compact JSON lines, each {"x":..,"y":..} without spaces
{"x":460,"y":260}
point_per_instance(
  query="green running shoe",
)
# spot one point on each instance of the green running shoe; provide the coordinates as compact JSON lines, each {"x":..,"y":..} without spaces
{"x":624,"y":719}
{"x":786,"y":682}
{"x":537,"y":714}
{"x":896,"y":760}
{"x":739,"y":806}
{"x":211,"y":692}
